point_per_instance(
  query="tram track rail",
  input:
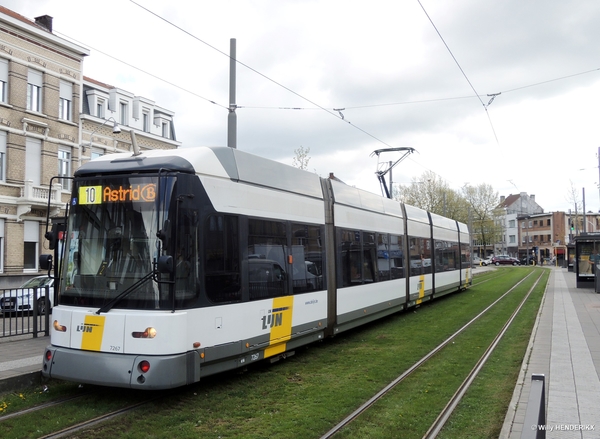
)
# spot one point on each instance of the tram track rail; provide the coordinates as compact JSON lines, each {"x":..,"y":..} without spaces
{"x":442,"y":418}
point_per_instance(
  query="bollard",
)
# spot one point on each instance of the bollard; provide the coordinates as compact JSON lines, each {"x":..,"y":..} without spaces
{"x":535,"y":414}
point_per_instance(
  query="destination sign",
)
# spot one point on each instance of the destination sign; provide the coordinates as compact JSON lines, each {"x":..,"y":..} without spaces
{"x":105,"y":194}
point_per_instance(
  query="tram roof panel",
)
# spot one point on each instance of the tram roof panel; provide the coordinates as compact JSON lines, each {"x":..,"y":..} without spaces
{"x":361,"y":199}
{"x":222,"y":162}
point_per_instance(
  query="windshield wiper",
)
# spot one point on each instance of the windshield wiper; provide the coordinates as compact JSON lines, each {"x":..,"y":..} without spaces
{"x":125,"y":293}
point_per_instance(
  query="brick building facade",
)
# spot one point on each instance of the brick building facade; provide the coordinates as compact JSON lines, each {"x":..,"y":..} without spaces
{"x":44,"y":132}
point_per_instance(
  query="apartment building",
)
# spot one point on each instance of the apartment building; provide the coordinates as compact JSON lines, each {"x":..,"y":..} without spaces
{"x":110,"y":115}
{"x":543,"y":236}
{"x":40,"y":83}
{"x":507,"y":212}
{"x":52,"y":120}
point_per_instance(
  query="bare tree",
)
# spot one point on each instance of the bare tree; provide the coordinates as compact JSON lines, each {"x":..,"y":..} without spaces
{"x":301,"y":158}
{"x":573,"y":198}
{"x":430,"y":192}
{"x":482,"y":201}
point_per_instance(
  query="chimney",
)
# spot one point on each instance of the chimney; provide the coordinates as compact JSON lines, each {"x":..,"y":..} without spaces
{"x":502,"y":198}
{"x":331,"y":176}
{"x":532,"y":197}
{"x":44,"y":21}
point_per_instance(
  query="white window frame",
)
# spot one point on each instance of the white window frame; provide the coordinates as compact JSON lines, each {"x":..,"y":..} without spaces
{"x":31,"y":234}
{"x":146,"y":120}
{"x":1,"y":245}
{"x":64,"y":167}
{"x":95,"y":153}
{"x":66,"y":101}
{"x":166,"y":133}
{"x":100,"y":108}
{"x":3,"y":156}
{"x":33,"y":160}
{"x":34,"y":90}
{"x":4,"y":80}
{"x":124,"y":113}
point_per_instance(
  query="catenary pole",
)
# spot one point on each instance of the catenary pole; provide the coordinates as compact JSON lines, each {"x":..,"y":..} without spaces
{"x":232,"y":117}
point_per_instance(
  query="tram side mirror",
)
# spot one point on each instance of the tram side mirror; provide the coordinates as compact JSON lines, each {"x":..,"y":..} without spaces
{"x":51,"y":237}
{"x":165,"y":264}
{"x":164,"y":234}
{"x":45,"y":262}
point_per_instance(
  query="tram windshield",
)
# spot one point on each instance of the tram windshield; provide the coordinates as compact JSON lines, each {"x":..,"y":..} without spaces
{"x":112,"y":243}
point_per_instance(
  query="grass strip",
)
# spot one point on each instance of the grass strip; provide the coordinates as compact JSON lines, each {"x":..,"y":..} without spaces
{"x":304,"y":396}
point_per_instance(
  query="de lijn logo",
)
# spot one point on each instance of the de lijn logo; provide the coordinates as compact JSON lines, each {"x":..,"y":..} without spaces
{"x":86,"y":327}
{"x":274,"y":317}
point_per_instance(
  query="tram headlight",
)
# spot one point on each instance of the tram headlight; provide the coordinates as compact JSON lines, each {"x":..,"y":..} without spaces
{"x":58,"y":327}
{"x":149,"y":332}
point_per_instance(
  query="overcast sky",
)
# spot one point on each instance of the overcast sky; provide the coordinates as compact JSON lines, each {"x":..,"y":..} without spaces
{"x":385,"y":64}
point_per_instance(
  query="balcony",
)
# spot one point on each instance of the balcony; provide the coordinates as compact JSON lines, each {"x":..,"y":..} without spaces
{"x":37,"y":197}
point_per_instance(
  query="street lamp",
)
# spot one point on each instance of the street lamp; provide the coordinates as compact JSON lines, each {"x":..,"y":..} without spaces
{"x":116,"y":130}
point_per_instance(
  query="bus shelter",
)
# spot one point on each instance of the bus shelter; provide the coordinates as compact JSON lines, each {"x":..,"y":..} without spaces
{"x":587,"y":249}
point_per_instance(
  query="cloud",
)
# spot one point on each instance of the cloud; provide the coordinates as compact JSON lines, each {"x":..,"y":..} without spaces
{"x":385,"y":64}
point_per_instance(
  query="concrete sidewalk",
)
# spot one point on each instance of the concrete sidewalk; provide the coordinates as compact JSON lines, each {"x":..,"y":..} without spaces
{"x":21,"y":361}
{"x":565,"y":347}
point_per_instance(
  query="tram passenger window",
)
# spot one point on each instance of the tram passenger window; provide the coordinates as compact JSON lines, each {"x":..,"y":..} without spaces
{"x":307,"y":258}
{"x":383,"y":256}
{"x":395,"y":251}
{"x":267,"y":258}
{"x":454,"y":261}
{"x":420,"y":256}
{"x":349,"y":257}
{"x":221,"y":259}
{"x":369,"y":258}
{"x":446,"y":255}
{"x":465,"y":256}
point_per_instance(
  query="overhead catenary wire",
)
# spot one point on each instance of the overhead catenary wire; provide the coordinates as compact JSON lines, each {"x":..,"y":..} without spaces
{"x":143,"y":71}
{"x":261,"y":74}
{"x":461,"y":70}
{"x":333,"y":109}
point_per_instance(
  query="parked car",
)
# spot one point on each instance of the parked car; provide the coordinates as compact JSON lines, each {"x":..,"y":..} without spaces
{"x":528,"y":260}
{"x":487,"y":261}
{"x":23,"y":298}
{"x":505,"y":260}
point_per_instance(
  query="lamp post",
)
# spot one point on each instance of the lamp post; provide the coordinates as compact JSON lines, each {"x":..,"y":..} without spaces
{"x":116,"y":130}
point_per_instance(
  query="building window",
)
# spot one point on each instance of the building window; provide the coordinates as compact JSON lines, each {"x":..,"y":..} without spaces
{"x":165,"y":130}
{"x":31,"y":237}
{"x":511,"y":224}
{"x":33,"y":160}
{"x":1,"y":245}
{"x":95,"y":154}
{"x":3,"y":80}
{"x":512,"y":239}
{"x":146,"y":121}
{"x":548,"y":223}
{"x":66,"y":99}
{"x":100,"y":108}
{"x":123,"y":108}
{"x":64,"y":168}
{"x":2,"y":155}
{"x":34,"y":91}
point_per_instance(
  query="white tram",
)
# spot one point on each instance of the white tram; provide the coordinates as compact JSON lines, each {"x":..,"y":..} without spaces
{"x":181,"y":264}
